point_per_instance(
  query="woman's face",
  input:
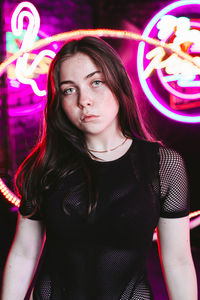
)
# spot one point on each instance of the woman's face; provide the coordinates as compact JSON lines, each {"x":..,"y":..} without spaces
{"x":86,"y":99}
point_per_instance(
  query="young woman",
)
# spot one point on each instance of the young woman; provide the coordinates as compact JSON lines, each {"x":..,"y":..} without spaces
{"x":97,"y":187}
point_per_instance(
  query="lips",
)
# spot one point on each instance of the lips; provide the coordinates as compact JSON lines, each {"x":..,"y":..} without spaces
{"x":87,"y":118}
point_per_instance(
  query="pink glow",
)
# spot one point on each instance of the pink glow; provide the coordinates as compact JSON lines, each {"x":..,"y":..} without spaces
{"x":169,"y":88}
{"x":22,"y":69}
{"x":172,"y":91}
{"x":33,"y":25}
{"x":14,"y":83}
{"x":29,"y":109}
{"x":153,"y":96}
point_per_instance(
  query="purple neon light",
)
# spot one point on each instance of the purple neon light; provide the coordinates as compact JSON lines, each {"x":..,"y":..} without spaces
{"x":33,"y":108}
{"x":159,"y":105}
{"x":29,"y":109}
{"x":170,"y":89}
{"x":175,"y":92}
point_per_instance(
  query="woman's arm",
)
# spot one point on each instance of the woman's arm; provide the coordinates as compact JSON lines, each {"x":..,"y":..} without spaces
{"x":22,"y":259}
{"x":176,"y":258}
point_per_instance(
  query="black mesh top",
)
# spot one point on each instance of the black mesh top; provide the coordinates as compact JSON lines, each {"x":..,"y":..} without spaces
{"x":103,"y":256}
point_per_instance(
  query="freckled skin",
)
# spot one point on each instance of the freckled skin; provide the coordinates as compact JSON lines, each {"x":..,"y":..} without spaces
{"x":85,"y":92}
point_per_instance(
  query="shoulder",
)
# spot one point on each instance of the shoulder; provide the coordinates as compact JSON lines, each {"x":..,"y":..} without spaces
{"x":155,"y":156}
{"x":166,"y":155}
{"x":169,"y":153}
{"x":145,"y":156}
{"x":148,"y":151}
{"x":173,"y":184}
{"x":170,"y":158}
{"x":145,"y":144}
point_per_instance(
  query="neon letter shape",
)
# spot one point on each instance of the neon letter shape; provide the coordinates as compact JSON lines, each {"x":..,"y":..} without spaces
{"x":29,"y":38}
{"x":184,"y":36}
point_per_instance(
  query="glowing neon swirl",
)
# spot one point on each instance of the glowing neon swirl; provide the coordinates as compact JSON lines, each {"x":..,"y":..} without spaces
{"x":22,"y":70}
{"x":33,"y":26}
{"x":96,"y":32}
{"x":155,"y":100}
{"x":73,"y":34}
{"x":166,"y":28}
{"x":103,"y":33}
{"x":29,"y":38}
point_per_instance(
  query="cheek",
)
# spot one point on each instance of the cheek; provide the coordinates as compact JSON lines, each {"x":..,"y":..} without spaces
{"x":109,"y":101}
{"x":113,"y":106}
{"x":110,"y":111}
{"x":68,"y":110}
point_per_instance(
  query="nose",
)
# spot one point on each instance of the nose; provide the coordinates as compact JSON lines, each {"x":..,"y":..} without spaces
{"x":85,"y":99}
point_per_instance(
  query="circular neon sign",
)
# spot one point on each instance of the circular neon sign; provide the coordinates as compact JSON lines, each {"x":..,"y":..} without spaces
{"x":171,"y":83}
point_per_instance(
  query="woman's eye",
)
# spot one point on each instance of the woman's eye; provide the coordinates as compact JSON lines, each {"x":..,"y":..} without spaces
{"x":69,"y":91}
{"x":97,"y":83}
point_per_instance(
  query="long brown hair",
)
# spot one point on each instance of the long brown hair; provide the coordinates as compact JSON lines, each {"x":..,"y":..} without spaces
{"x":61,"y":148}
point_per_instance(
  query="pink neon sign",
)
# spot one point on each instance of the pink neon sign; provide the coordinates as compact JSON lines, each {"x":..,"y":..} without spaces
{"x":24,"y":70}
{"x":183,"y":73}
{"x":174,"y":89}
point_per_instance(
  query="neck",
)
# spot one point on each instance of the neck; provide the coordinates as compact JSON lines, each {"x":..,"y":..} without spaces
{"x":105,"y":142}
{"x":112,"y":155}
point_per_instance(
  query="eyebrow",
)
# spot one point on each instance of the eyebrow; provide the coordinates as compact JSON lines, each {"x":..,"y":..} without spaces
{"x":86,"y":77}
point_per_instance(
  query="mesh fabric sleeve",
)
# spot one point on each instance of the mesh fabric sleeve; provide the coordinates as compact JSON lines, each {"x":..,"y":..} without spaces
{"x":173,"y":184}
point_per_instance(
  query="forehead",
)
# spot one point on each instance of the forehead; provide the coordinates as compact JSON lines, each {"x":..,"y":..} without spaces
{"x":77,"y":66}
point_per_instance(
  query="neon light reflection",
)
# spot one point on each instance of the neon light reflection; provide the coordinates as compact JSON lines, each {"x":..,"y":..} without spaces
{"x":180,"y":78}
{"x":21,"y":70}
{"x":159,"y":105}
